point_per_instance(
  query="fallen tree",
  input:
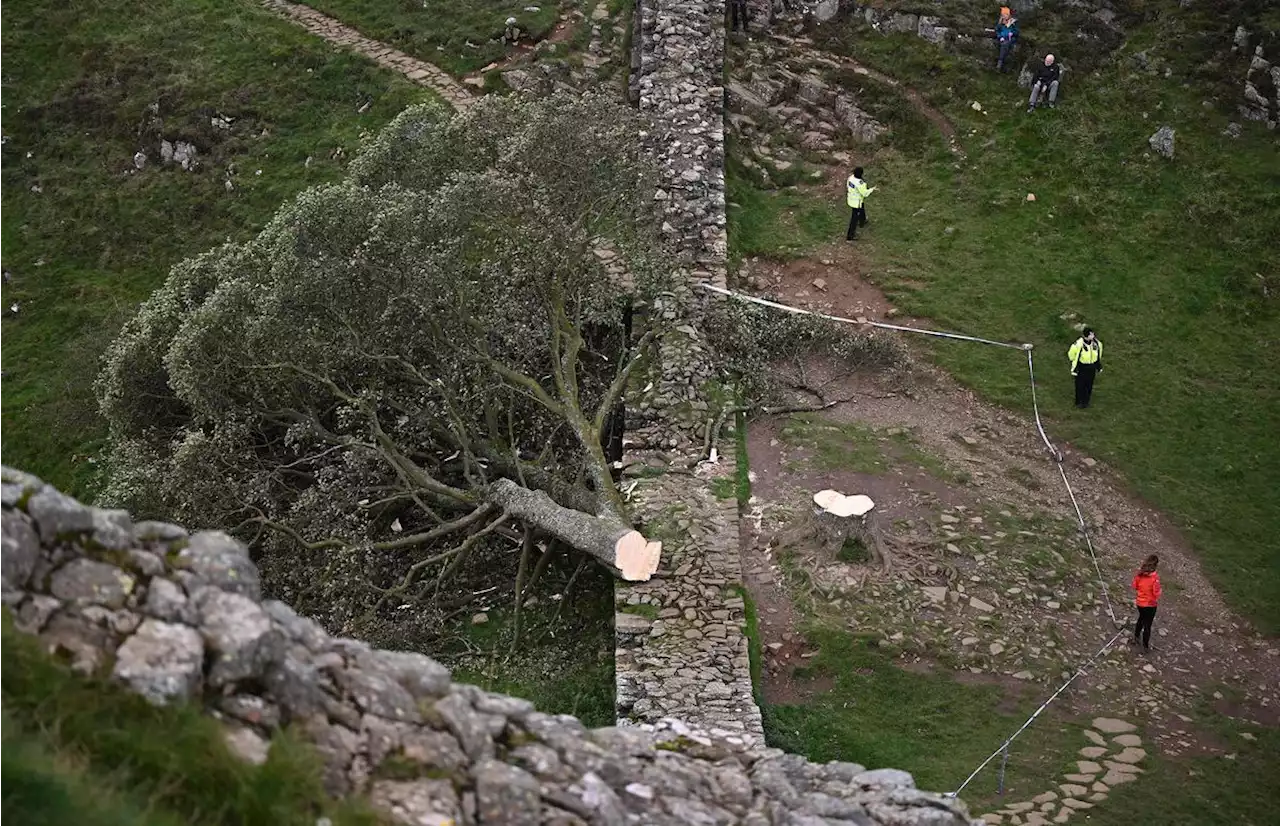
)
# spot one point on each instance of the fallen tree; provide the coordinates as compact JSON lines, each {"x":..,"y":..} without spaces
{"x":418,"y":362}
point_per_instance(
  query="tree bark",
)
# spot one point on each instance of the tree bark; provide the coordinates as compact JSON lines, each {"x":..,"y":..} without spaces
{"x":617,"y":546}
{"x":825,"y":530}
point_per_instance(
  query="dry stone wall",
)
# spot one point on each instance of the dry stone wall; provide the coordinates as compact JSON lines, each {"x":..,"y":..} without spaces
{"x":676,"y":80}
{"x":681,"y":652}
{"x":179,"y":617}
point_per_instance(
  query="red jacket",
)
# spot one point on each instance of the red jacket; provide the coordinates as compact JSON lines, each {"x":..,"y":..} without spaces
{"x":1148,"y":588}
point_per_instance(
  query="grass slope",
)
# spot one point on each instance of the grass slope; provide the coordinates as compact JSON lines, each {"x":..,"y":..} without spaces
{"x":459,"y":36}
{"x":878,"y":714}
{"x":1174,"y":263}
{"x":84,"y":751}
{"x":97,"y":237}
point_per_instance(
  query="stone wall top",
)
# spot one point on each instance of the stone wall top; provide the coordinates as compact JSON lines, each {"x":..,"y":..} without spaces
{"x":680,"y":51}
{"x":179,"y":617}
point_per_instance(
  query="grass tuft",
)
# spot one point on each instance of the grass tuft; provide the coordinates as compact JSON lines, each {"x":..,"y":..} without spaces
{"x":86,"y":751}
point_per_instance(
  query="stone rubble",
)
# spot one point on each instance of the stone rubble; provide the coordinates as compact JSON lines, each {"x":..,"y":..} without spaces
{"x":389,"y":725}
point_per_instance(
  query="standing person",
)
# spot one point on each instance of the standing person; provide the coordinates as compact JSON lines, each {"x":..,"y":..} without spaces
{"x":1006,"y":36}
{"x":1086,"y":362}
{"x":1146,"y":582}
{"x":738,"y":13}
{"x":1046,"y":81}
{"x":858,"y":192}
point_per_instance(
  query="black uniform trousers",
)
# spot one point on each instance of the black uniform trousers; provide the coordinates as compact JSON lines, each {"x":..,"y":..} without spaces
{"x":738,"y":12}
{"x":1085,"y":374}
{"x":857,"y":218}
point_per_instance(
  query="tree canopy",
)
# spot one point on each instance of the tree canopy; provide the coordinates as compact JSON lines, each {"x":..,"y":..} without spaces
{"x":408,"y":365}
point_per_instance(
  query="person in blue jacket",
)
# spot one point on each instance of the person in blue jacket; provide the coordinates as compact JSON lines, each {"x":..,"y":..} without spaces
{"x":1006,"y":36}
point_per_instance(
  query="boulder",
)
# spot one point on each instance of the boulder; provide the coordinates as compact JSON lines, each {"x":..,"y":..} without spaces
{"x":218,"y":560}
{"x":928,"y":29}
{"x":21,"y":550}
{"x":162,"y":661}
{"x":1162,"y":142}
{"x":903,"y":23}
{"x":56,"y":514}
{"x":89,"y":582}
{"x":240,"y":635}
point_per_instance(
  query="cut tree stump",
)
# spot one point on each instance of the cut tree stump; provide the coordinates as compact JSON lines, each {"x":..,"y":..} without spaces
{"x":835,"y":519}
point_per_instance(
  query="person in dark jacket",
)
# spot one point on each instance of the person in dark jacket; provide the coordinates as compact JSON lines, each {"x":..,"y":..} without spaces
{"x":1006,"y":37}
{"x":1045,"y":83}
{"x":1146,"y":585}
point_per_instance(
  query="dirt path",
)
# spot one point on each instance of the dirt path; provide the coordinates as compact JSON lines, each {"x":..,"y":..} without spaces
{"x":420,"y":72}
{"x":987,"y":464}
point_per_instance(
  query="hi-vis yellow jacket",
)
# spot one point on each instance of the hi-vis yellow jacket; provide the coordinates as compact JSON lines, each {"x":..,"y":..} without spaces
{"x":858,"y":190}
{"x":1084,"y":353}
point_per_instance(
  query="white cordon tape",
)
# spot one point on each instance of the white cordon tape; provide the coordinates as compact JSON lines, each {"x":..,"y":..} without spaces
{"x":1089,"y":544}
{"x":936,"y":333}
{"x":1053,"y":452}
{"x":1083,"y":669}
{"x":1035,"y":408}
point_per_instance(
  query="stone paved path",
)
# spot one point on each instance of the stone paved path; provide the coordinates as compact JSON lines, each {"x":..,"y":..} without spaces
{"x":1103,"y":765}
{"x":420,"y":72}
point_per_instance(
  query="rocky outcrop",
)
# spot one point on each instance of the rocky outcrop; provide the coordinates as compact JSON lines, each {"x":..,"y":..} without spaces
{"x":1261,"y":93}
{"x":887,"y":21}
{"x":179,"y":617}
{"x":803,"y":103}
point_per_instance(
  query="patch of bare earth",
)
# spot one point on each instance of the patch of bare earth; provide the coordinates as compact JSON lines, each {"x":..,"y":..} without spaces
{"x":988,"y":520}
{"x":783,"y":648}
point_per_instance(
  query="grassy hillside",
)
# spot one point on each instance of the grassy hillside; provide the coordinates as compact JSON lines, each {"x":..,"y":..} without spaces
{"x":86,"y":236}
{"x":85,"y":751}
{"x":1173,"y":262}
{"x":459,"y":37}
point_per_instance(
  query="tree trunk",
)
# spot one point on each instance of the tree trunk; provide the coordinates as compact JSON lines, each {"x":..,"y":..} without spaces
{"x":830,"y":525}
{"x":621,"y":549}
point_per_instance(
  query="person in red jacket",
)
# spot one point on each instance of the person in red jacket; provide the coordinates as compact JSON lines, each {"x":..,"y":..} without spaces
{"x":1146,"y":582}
